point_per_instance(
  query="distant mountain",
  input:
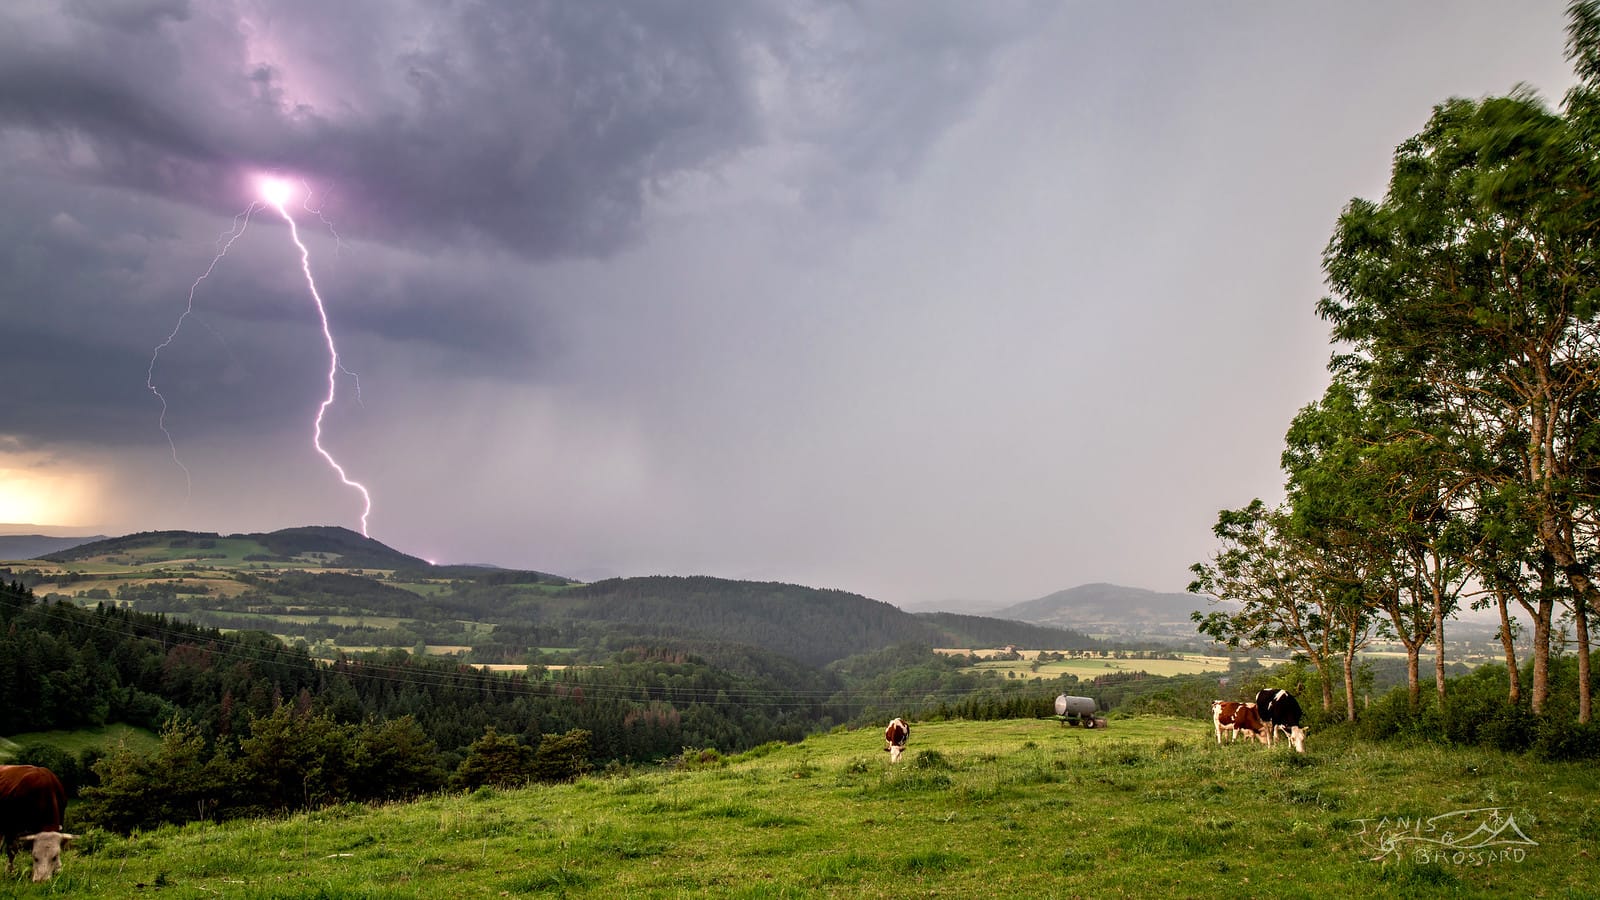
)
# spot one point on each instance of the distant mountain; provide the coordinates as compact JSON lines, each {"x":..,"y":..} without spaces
{"x":324,"y":544}
{"x":987,"y":631}
{"x":813,"y":625}
{"x":34,"y":546}
{"x":1109,"y":608}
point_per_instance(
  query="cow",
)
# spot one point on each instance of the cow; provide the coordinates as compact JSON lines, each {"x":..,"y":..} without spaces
{"x":1233,"y":718}
{"x":1281,"y":712}
{"x":32,"y":800}
{"x":895,"y":737}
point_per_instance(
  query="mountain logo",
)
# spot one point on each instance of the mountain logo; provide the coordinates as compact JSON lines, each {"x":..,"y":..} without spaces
{"x":1481,"y":836}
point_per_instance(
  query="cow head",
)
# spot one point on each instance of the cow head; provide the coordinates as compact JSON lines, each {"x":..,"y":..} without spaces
{"x":1297,"y":738}
{"x":894,"y":752}
{"x":46,"y":847}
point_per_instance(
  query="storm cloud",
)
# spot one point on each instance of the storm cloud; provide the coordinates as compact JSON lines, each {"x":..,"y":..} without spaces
{"x":932,"y":301}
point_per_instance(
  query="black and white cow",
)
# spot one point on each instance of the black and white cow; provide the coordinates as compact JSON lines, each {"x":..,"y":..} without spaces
{"x":1279,"y":711}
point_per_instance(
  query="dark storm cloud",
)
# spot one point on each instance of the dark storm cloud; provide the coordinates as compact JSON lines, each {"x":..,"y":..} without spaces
{"x":919,"y":299}
{"x":455,"y":141}
{"x":539,"y":128}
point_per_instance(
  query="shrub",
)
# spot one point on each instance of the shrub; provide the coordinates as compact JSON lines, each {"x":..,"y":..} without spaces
{"x":1561,"y":738}
{"x":176,"y":783}
{"x":51,"y":757}
{"x":562,"y":757}
{"x":709,"y":758}
{"x":494,"y":760}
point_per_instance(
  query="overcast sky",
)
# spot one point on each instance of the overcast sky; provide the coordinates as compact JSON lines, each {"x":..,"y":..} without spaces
{"x":948,"y":304}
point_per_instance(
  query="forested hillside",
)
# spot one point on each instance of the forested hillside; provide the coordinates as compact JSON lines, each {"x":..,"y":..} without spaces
{"x":67,"y":667}
{"x":232,"y":703}
{"x":335,"y":589}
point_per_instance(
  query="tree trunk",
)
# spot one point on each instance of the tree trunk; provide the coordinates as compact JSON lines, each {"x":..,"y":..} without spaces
{"x":1541,"y":653}
{"x":1413,"y":675}
{"x":1438,"y":643}
{"x":1508,"y":642}
{"x":1413,"y":647}
{"x":1558,"y":545}
{"x":1350,"y":680}
{"x":1580,"y":615}
{"x":1349,"y":689}
{"x":1584,"y":592}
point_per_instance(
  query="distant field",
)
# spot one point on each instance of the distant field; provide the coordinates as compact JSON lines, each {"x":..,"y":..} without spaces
{"x":311,"y":619}
{"x":506,"y":667}
{"x":1089,"y":667}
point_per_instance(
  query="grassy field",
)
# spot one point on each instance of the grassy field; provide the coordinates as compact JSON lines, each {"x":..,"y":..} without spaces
{"x":361,"y":621}
{"x":1191,"y":663}
{"x":1147,"y":807}
{"x":77,"y":741}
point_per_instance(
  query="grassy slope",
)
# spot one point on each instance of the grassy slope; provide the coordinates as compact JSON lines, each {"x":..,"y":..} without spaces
{"x":76,"y":741}
{"x":1148,"y":807}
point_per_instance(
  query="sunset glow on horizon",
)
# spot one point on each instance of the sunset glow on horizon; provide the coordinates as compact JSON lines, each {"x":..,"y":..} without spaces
{"x":31,"y":497}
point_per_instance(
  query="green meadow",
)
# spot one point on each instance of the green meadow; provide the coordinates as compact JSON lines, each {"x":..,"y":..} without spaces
{"x":1148,"y":807}
{"x":76,"y":741}
{"x":1090,"y":667}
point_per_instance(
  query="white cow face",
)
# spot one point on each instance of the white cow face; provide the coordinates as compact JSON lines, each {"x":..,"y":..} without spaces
{"x":1297,"y":738}
{"x":46,"y":848}
{"x":894,"y":753}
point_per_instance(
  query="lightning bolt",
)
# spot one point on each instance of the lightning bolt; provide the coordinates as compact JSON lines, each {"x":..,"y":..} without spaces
{"x":275,"y":192}
{"x":240,"y":222}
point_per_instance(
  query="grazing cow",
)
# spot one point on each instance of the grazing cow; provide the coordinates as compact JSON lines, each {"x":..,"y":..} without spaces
{"x":894,"y":738}
{"x":1281,"y":712}
{"x":32,"y":800}
{"x":1233,"y":718}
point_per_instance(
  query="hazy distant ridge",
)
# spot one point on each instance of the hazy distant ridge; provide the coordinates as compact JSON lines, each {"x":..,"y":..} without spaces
{"x":1105,"y":604}
{"x":34,"y":546}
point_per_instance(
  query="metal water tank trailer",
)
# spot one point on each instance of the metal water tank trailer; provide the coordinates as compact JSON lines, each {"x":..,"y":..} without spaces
{"x":1078,"y":711}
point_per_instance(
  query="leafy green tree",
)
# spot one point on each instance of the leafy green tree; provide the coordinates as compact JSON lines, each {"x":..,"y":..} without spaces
{"x":1265,"y":568}
{"x":496,"y":760}
{"x":1372,"y":488}
{"x":296,"y":759}
{"x":1473,"y":287}
{"x":394,"y":760}
{"x":179,"y":782}
{"x":562,"y":757}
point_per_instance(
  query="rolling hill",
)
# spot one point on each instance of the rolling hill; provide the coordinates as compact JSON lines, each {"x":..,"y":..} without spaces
{"x":311,"y":545}
{"x":1112,"y":609}
{"x":329,"y":584}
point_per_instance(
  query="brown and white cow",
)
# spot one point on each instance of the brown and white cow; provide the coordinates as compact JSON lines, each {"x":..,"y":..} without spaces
{"x":32,"y":800}
{"x":1281,"y":712}
{"x":895,"y":737}
{"x":1234,"y":718}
